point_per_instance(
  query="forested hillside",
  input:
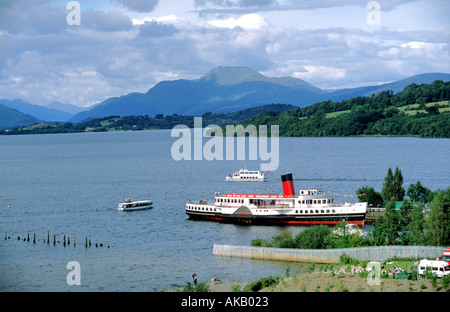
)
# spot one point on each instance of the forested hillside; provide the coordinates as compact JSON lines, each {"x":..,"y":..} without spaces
{"x":419,"y":110}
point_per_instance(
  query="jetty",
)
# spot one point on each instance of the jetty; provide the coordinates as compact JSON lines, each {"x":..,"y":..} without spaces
{"x":373,"y":214}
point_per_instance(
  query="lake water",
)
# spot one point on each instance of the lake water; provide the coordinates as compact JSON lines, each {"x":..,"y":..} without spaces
{"x":70,"y":184}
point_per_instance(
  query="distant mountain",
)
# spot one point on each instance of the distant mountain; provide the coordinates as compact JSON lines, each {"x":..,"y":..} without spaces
{"x":40,"y":112}
{"x":229,"y":89}
{"x":396,"y":86}
{"x":10,"y":117}
{"x":222,"y":90}
{"x":67,"y":108}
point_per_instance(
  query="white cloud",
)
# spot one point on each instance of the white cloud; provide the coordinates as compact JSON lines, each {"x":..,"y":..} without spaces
{"x":317,"y":73}
{"x":247,"y":21}
{"x":424,"y":45}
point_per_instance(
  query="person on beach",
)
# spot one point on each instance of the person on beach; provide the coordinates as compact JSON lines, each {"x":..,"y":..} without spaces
{"x":194,"y":277}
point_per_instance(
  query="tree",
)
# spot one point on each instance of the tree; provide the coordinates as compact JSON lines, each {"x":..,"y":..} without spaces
{"x":387,"y":192}
{"x":393,"y":186}
{"x":432,"y":110}
{"x":404,"y":219}
{"x":378,"y":234}
{"x":438,"y":222}
{"x":369,"y":195}
{"x":416,"y":225}
{"x":399,"y":191}
{"x":418,"y":193}
{"x":391,"y":223}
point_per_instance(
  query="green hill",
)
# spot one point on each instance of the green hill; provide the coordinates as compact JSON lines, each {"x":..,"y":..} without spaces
{"x":419,"y":110}
{"x":10,"y":117}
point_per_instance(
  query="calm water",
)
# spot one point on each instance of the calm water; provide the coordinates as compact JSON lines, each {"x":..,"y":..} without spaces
{"x":71,"y":183}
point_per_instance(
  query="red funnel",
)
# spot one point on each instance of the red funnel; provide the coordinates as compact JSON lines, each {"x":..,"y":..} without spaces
{"x":288,"y":185}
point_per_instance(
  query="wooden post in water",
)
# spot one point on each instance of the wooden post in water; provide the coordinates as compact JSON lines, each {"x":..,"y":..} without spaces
{"x":48,"y":237}
{"x":28,"y":237}
{"x":64,"y":239}
{"x":34,"y":238}
{"x":74,"y":241}
{"x":85,"y":241}
{"x":54,"y":239}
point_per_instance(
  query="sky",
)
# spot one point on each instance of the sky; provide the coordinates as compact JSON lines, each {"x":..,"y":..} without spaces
{"x":83,"y":52}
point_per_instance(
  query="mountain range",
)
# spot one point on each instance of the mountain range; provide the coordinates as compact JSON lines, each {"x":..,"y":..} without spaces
{"x":221,"y":90}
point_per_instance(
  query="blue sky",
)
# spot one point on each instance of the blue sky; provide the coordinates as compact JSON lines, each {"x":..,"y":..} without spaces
{"x":125,"y":46}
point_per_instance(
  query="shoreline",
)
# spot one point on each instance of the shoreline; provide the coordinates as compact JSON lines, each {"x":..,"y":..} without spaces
{"x":342,"y":278}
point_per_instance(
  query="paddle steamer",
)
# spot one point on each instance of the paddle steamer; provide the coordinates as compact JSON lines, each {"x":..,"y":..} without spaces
{"x":310,"y":207}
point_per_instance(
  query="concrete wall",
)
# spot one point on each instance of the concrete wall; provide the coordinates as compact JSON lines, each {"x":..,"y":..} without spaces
{"x":378,"y":253}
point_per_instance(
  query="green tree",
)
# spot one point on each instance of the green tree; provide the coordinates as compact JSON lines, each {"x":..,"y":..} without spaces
{"x":437,"y":225}
{"x":393,"y":186}
{"x":391,"y":223}
{"x":418,"y":193}
{"x":369,"y":195}
{"x":387,"y":192}
{"x":416,"y":225}
{"x":378,"y":235}
{"x":404,"y":219}
{"x":399,"y":191}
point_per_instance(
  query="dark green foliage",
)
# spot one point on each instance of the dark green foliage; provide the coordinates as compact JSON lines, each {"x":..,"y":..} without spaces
{"x":312,"y":237}
{"x":374,"y":115}
{"x":393,"y":186}
{"x":263,"y":282}
{"x":418,"y":193}
{"x":369,"y":195}
{"x":199,"y":287}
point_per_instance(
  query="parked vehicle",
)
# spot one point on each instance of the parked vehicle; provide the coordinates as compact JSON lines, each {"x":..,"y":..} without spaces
{"x":445,"y":256}
{"x":437,"y":267}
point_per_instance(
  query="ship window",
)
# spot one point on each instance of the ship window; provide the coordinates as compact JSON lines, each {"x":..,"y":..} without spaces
{"x":317,"y":211}
{"x":321,"y":211}
{"x":333,"y":210}
{"x":328,"y":211}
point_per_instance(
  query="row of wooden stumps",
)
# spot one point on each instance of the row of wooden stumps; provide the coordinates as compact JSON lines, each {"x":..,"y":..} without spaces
{"x":87,"y":242}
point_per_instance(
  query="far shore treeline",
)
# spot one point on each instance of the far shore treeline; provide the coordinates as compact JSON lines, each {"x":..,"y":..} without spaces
{"x":419,"y":110}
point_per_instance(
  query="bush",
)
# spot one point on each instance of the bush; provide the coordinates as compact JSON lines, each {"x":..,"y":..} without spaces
{"x":312,"y":237}
{"x":199,"y":287}
{"x":445,"y":281}
{"x":263,"y":282}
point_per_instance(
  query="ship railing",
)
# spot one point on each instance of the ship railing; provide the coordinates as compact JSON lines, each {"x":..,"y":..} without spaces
{"x":273,"y":206}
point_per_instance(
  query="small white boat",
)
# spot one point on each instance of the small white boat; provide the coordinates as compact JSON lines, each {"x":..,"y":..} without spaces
{"x":129,"y":205}
{"x":245,"y":175}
